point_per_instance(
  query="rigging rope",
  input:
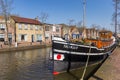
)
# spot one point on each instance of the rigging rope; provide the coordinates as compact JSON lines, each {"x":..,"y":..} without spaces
{"x":86,"y":65}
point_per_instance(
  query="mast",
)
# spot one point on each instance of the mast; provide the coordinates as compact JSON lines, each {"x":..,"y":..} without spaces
{"x":116,"y":6}
{"x":84,"y":13}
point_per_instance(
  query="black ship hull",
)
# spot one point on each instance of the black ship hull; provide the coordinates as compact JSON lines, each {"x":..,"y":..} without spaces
{"x":67,"y":51}
{"x":69,"y":56}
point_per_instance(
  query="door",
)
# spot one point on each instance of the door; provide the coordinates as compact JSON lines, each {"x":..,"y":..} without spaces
{"x":32,"y":38}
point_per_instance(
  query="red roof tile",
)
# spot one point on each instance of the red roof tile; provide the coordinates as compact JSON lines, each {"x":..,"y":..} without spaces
{"x":25,"y":20}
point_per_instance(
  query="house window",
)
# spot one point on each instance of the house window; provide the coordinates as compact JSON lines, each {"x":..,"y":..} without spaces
{"x":46,"y":35}
{"x":2,"y":26}
{"x":10,"y":38}
{"x":53,"y":28}
{"x":46,"y":28}
{"x":20,"y":26}
{"x":40,"y":28}
{"x":9,"y":35}
{"x":39,"y":37}
{"x":57,"y":29}
{"x":26,"y":26}
{"x":2,"y":37}
{"x":22,"y":37}
{"x":31,"y":27}
{"x":75,"y":36}
{"x":36,"y":27}
{"x":66,"y":36}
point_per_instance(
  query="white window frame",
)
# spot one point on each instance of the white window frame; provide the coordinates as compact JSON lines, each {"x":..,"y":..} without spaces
{"x":36,"y":27}
{"x":40,"y":27}
{"x":20,"y":26}
{"x":2,"y":27}
{"x":39,"y":37}
{"x":47,"y":35}
{"x":57,"y":28}
{"x":26,"y":26}
{"x":2,"y":35}
{"x":31,"y":27}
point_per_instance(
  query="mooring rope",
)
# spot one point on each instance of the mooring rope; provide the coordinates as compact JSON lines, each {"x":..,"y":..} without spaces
{"x":86,"y":65}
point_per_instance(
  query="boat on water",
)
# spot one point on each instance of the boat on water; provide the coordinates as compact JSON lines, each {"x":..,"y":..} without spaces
{"x":70,"y":55}
{"x":76,"y":51}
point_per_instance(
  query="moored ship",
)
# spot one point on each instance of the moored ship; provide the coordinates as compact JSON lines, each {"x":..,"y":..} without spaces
{"x":81,"y":48}
{"x":69,"y":55}
{"x":72,"y":50}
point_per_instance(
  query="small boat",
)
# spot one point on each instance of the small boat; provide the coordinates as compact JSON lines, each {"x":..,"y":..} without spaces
{"x":97,"y":49}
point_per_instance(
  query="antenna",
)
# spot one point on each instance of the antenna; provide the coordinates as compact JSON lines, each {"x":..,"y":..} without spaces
{"x":84,"y":12}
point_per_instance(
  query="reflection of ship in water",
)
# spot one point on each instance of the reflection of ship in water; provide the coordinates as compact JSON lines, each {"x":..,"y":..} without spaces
{"x":76,"y":72}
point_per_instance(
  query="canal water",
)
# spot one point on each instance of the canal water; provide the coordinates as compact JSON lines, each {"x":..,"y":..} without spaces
{"x":35,"y":65}
{"x":26,"y":65}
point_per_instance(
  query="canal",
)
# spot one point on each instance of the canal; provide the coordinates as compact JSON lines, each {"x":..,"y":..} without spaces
{"x":35,"y":65}
{"x":26,"y":65}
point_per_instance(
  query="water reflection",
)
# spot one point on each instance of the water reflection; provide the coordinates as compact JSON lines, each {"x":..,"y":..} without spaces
{"x":26,"y":65}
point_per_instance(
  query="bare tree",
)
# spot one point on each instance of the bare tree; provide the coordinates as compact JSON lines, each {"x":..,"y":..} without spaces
{"x":16,"y":14}
{"x":79,"y":24}
{"x":96,"y":26}
{"x":43,"y":18}
{"x":5,"y":8}
{"x":71,"y":22}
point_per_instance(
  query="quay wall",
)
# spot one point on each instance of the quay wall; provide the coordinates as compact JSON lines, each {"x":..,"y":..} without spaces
{"x":110,"y":70}
{"x":7,"y":49}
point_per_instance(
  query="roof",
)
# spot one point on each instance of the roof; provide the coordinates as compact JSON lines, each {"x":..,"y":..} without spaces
{"x":1,"y":17}
{"x":72,"y":28}
{"x":25,"y":20}
{"x":81,"y":29}
{"x":105,"y":31}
